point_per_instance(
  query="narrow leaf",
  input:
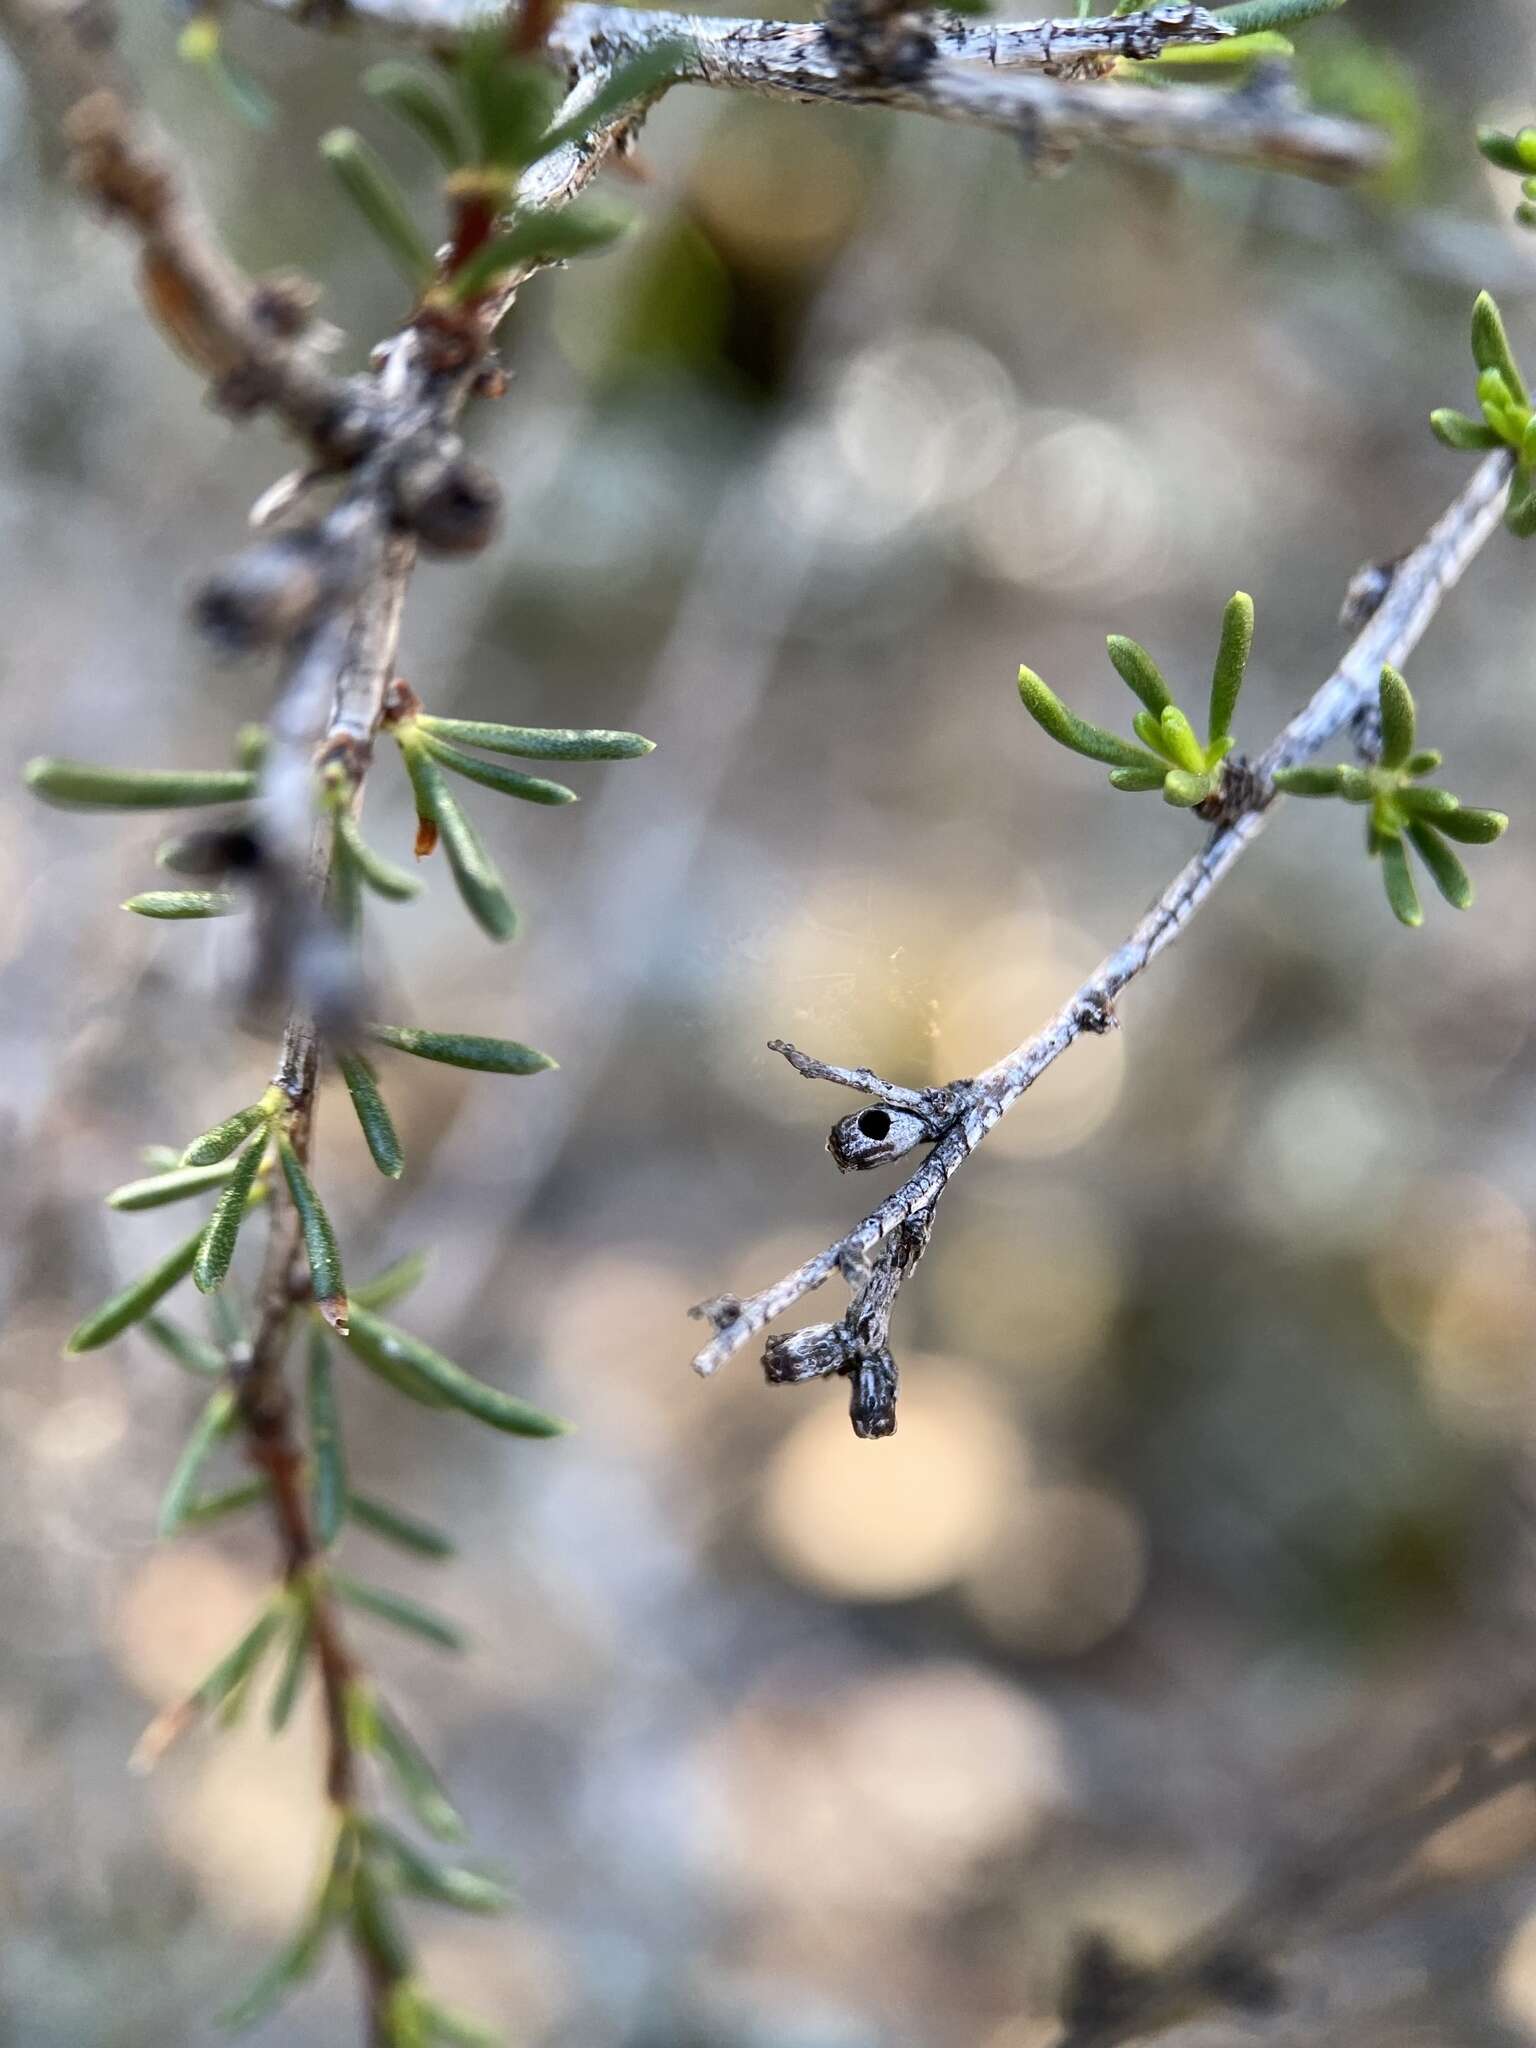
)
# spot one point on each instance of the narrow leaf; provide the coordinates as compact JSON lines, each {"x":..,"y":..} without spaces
{"x":237,"y":1665}
{"x":229,"y":1500}
{"x":547,"y":236}
{"x":1449,"y":876}
{"x":481,"y":887}
{"x":328,"y":1480}
{"x":176,"y":1186}
{"x":1424,"y":762}
{"x":509,"y":101}
{"x":301,"y":1631}
{"x":217,"y":1249}
{"x":1137,"y":778}
{"x":218,"y":1143}
{"x":189,"y":1352}
{"x":373,"y":1339}
{"x":134,"y":1300}
{"x":1253,"y":17}
{"x":1180,"y":742}
{"x":1139,"y":672}
{"x":1457,"y":431}
{"x":319,"y":1240}
{"x":393,"y":1525}
{"x":1397,"y":719}
{"x":1401,"y":894}
{"x":1427,"y":803}
{"x":1231,"y":663}
{"x":363,"y":1087}
{"x":1500,"y":149}
{"x":395,"y":1608}
{"x":1068,"y":730}
{"x":539,"y":743}
{"x":371,"y":187}
{"x":381,"y":875}
{"x":413,"y":96}
{"x":1309,"y":780}
{"x":470,"y":1890}
{"x":629,"y":83}
{"x":1491,"y":349}
{"x":1472,"y":827}
{"x":214,"y":1423}
{"x":461,"y":1049}
{"x":78,"y":785}
{"x":532,"y":789}
{"x":182,"y":904}
{"x":288,"y":1968}
{"x":393,"y":1282}
{"x":417,"y":1780}
{"x":1150,"y":733}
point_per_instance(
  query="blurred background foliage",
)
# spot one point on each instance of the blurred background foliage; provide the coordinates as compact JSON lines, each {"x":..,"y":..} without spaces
{"x":1217,"y":1420}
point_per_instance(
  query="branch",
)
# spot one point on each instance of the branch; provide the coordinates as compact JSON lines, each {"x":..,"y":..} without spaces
{"x":1231,"y":1963}
{"x":1035,"y":80}
{"x":1413,"y":590}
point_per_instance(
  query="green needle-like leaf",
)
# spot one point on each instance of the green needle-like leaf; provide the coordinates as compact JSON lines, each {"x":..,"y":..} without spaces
{"x":374,"y":1340}
{"x":209,"y":1508}
{"x":1231,"y":663}
{"x":180,"y":905}
{"x":1068,"y":730}
{"x":1491,"y":349}
{"x":328,"y":1476}
{"x":532,"y":789}
{"x":381,"y":875}
{"x":370,"y":185}
{"x":414,"y":97}
{"x":393,"y":1607}
{"x":1401,"y":894}
{"x":1179,"y":740}
{"x":1397,"y":719}
{"x":1426,"y":803}
{"x":79,"y":785}
{"x":394,"y":1282}
{"x":320,"y":1246}
{"x":1139,"y":672}
{"x":1138,"y":778}
{"x":136,"y":1299}
{"x":177,"y":1186}
{"x":417,"y":1780}
{"x":510,"y":102}
{"x":479,"y":884}
{"x":1472,"y":827}
{"x":470,"y":1890}
{"x":187,"y":1351}
{"x":301,"y":1630}
{"x":539,"y":743}
{"x":215,"y":1422}
{"x":218,"y":1143}
{"x":289,"y":1968}
{"x":363,"y":1087}
{"x":461,"y":1049}
{"x":536,"y":239}
{"x":1455,"y":430}
{"x":1450,"y":877}
{"x":236,"y":1667}
{"x":1253,"y":17}
{"x":217,"y":1250}
{"x":1309,"y":780}
{"x":399,"y":1528}
{"x":626,"y":85}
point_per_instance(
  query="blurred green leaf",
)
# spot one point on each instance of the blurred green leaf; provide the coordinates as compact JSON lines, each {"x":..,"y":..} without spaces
{"x":1473,"y":827}
{"x":415,"y":98}
{"x":183,"y":904}
{"x":1491,"y":349}
{"x":1397,"y":719}
{"x":551,"y":235}
{"x":381,"y":875}
{"x":509,"y":100}
{"x":1457,"y":431}
{"x":1185,"y":790}
{"x":1253,"y":17}
{"x":218,"y":1143}
{"x":395,"y":1526}
{"x":209,"y":1508}
{"x":626,"y":85}
{"x":1450,"y":877}
{"x":401,"y":1613}
{"x":78,"y":785}
{"x":370,"y":185}
{"x":177,"y":1186}
{"x":462,"y":1049}
{"x":471,"y":1891}
{"x":328,"y":1475}
{"x":393,"y":1282}
{"x":236,"y":1666}
{"x":136,"y":1299}
{"x":1232,"y":654}
{"x":415,"y":1777}
{"x":1401,"y":894}
{"x":290,"y":1967}
{"x":189,"y":1352}
{"x":301,"y":1631}
{"x":215,"y":1423}
{"x":1309,"y":780}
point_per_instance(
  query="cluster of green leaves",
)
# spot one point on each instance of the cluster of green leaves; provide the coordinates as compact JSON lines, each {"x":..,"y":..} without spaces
{"x":1171,"y":756}
{"x":487,"y":117}
{"x":1404,"y":810}
{"x":1515,"y":153}
{"x":1508,"y":419}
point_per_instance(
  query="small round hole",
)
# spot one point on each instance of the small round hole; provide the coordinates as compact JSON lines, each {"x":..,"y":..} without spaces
{"x":874,"y":1123}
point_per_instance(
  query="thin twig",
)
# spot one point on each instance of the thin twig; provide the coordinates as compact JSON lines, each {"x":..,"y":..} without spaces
{"x":1418,"y":584}
{"x":1038,"y":80}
